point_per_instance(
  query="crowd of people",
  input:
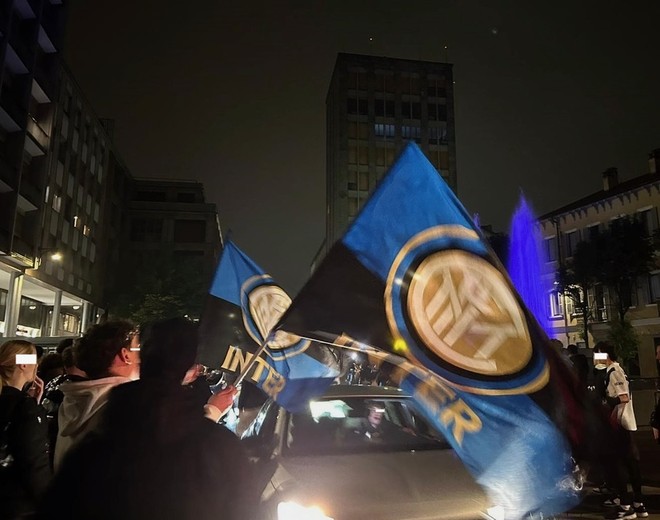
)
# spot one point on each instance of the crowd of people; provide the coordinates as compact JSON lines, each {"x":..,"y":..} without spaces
{"x":608,"y":385}
{"x":119,"y":424}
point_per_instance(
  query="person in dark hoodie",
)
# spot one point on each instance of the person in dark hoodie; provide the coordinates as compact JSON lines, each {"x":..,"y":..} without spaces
{"x":155,"y":454}
{"x":24,"y":468}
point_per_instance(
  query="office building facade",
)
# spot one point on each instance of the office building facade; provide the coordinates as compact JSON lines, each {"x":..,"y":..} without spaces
{"x":67,"y":200}
{"x":171,"y":218}
{"x":374,"y":106}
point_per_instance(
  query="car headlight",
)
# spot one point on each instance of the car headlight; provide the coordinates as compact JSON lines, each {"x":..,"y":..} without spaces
{"x":293,"y":511}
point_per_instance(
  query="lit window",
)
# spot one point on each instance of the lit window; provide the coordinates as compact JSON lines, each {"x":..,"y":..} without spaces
{"x":555,"y":305}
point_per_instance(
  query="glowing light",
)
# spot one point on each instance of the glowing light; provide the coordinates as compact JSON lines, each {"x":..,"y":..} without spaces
{"x":399,"y":346}
{"x":56,"y":257}
{"x":76,"y":307}
{"x":293,"y":511}
{"x":32,"y":307}
{"x":525,"y":263}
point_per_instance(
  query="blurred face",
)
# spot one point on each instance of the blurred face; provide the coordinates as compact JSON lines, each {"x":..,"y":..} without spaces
{"x":657,"y":352}
{"x":134,"y":356}
{"x":600,"y":358}
{"x":134,"y":349}
{"x":375,"y":417}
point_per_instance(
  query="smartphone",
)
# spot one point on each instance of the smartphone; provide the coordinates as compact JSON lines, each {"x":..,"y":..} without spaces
{"x":600,"y":356}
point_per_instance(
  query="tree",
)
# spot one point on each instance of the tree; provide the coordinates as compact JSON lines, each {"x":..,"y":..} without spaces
{"x":576,"y":278}
{"x":162,"y":287}
{"x":625,"y":252}
{"x":615,"y":258}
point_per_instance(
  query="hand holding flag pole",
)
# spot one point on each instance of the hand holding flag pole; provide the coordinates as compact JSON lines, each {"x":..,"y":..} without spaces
{"x":235,"y":330}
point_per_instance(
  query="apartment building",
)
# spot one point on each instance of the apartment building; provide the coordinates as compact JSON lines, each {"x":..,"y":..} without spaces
{"x":581,"y":220}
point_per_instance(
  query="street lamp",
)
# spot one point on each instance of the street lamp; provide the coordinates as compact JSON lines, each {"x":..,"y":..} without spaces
{"x":51,"y":253}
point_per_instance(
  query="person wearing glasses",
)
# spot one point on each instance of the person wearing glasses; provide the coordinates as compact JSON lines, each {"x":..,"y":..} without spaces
{"x":155,"y":454}
{"x":109,"y":353}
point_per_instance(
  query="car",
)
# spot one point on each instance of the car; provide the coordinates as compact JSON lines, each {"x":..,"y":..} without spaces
{"x":358,"y":452}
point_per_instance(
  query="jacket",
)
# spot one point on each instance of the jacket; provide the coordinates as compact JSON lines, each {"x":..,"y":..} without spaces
{"x":24,"y":479}
{"x":171,"y":462}
{"x":80,"y":410}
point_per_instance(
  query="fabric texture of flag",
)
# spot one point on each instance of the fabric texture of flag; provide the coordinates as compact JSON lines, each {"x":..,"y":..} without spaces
{"x":413,"y":276}
{"x":242,"y":306}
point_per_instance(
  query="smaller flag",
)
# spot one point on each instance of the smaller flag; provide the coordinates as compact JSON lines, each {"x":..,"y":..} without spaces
{"x":242,"y":306}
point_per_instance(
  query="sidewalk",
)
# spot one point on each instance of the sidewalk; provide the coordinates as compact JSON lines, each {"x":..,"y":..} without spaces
{"x":591,"y":507}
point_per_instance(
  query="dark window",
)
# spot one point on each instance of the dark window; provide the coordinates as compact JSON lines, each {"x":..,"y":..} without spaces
{"x":437,"y":91}
{"x":185,"y":197}
{"x":384,"y":108}
{"x":411,"y":110}
{"x":146,"y":230}
{"x":150,"y":196}
{"x":571,"y":240}
{"x":416,"y":110}
{"x":357,"y":106}
{"x":189,"y":230}
{"x":31,"y":313}
{"x":437,"y":112}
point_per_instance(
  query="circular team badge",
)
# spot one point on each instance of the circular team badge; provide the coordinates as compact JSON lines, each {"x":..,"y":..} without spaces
{"x":263,"y":303}
{"x":457,"y":312}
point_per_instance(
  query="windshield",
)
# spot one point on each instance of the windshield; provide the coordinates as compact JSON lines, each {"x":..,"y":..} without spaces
{"x":358,"y":424}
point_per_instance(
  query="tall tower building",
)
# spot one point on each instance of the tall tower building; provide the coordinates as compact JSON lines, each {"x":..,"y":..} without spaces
{"x":374,"y":106}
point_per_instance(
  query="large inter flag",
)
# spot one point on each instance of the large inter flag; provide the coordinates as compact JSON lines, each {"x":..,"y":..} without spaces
{"x":242,"y":306}
{"x":413,"y":276}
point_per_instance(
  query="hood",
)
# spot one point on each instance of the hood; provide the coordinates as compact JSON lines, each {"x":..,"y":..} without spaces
{"x":410,"y":485}
{"x":82,"y":402}
{"x":164,"y":411}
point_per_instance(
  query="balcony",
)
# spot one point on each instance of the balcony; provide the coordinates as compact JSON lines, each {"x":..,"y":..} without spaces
{"x":37,"y":144}
{"x":24,"y":9}
{"x":7,"y":122}
{"x":12,"y":112}
{"x":45,"y":42}
{"x":45,"y":81}
{"x":14,"y":62}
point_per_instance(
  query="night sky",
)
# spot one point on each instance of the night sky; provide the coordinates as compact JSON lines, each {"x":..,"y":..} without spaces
{"x":548,"y":95}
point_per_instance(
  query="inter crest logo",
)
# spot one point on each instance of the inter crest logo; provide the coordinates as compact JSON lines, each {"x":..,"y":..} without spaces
{"x":463,"y":310}
{"x":263,"y":304}
{"x":455,"y":309}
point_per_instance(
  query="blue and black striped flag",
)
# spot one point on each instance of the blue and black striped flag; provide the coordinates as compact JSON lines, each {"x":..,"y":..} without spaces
{"x":413,"y":276}
{"x":242,"y":306}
